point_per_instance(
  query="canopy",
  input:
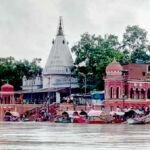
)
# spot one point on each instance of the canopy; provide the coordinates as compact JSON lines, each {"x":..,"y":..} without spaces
{"x":14,"y":113}
{"x":117,"y":113}
{"x":96,"y":113}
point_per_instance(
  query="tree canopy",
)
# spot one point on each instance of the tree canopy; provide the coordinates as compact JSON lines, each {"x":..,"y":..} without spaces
{"x":135,"y":43}
{"x":94,"y":53}
{"x":12,"y":71}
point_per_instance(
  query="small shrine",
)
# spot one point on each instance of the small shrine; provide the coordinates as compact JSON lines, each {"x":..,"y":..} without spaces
{"x":7,"y":94}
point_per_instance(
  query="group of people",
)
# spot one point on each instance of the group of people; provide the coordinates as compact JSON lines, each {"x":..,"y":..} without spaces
{"x":141,"y":110}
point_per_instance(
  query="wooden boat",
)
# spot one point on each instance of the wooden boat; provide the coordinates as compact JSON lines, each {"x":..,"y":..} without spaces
{"x":135,"y":121}
{"x":117,"y":121}
{"x":96,"y":122}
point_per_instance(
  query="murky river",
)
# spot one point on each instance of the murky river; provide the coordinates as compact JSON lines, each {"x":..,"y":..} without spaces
{"x":55,"y":136}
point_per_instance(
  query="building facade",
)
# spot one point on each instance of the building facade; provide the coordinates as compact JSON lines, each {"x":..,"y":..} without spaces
{"x":127,"y":85}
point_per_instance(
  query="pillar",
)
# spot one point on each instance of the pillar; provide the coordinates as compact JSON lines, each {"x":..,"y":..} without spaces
{"x":134,"y":91}
{"x":57,"y":97}
{"x":128,"y":92}
{"x":145,"y":95}
{"x":114,"y":92}
{"x":139,"y":94}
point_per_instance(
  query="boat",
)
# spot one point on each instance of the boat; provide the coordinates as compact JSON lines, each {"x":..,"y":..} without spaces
{"x":98,"y":117}
{"x":118,"y":116}
{"x":135,"y":121}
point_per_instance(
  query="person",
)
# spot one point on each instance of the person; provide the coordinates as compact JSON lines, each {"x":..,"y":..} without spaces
{"x":126,"y":109}
{"x":103,"y":109}
{"x":68,"y":100}
{"x":118,"y":109}
{"x":7,"y":116}
{"x":147,"y":110}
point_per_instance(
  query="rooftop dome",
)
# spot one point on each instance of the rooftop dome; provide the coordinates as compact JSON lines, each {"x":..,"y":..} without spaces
{"x":7,"y":86}
{"x":114,"y":66}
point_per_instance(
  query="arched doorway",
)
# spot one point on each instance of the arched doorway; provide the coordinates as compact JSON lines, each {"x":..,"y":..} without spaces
{"x":117,"y":92}
{"x":131,"y":93}
{"x":142,"y":94}
{"x":148,"y":93}
{"x":111,"y":92}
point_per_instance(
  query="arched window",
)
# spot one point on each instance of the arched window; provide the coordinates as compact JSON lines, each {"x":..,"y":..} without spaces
{"x":142,"y":94}
{"x":117,"y":92}
{"x":131,"y":93}
{"x":148,"y":93}
{"x":111,"y":92}
{"x":137,"y":93}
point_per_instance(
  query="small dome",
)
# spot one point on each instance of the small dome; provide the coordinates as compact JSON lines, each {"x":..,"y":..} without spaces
{"x":8,"y":86}
{"x":114,"y":66}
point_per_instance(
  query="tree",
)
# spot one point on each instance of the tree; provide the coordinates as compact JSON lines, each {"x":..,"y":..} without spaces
{"x":93,"y":54}
{"x":12,"y":71}
{"x":135,"y":43}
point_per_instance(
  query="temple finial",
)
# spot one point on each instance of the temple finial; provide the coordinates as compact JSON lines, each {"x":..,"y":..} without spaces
{"x":60,"y":30}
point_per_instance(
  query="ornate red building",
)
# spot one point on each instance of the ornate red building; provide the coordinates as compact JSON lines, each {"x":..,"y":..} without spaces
{"x":127,"y":85}
{"x":7,"y":94}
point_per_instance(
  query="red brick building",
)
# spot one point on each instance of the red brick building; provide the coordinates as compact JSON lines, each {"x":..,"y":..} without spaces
{"x":127,"y":85}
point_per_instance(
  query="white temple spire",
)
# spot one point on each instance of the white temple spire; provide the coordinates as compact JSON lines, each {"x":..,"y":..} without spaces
{"x":60,"y":59}
{"x":60,"y":29}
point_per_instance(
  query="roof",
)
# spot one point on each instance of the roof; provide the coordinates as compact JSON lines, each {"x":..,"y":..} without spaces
{"x":114,"y":66}
{"x":60,"y":90}
{"x":137,"y":71}
{"x":7,"y":86}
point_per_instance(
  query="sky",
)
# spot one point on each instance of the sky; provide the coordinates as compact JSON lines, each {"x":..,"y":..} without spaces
{"x":27,"y":27}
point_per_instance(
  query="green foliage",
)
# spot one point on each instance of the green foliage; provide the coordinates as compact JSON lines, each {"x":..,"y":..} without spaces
{"x":135,"y":43}
{"x":96,"y":53}
{"x":12,"y":71}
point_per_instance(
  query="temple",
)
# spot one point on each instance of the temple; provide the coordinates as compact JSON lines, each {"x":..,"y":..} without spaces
{"x":57,"y":79}
{"x":127,"y":85}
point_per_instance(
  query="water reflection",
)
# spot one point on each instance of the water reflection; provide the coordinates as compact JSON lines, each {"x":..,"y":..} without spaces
{"x":51,"y":136}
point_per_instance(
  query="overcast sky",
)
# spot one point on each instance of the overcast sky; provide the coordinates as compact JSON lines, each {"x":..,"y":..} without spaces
{"x":27,"y":27}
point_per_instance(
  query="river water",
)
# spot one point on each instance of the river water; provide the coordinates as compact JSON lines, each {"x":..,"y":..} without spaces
{"x":57,"y":136}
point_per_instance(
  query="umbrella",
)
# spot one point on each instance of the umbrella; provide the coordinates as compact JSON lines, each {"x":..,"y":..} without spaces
{"x":95,"y":113}
{"x":14,"y":113}
{"x":117,"y":113}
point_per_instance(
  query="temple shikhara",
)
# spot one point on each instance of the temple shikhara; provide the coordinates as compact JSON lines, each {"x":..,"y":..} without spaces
{"x":127,"y":85}
{"x":57,"y":78}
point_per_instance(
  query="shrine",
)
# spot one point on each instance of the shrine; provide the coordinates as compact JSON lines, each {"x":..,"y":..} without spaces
{"x":7,"y":94}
